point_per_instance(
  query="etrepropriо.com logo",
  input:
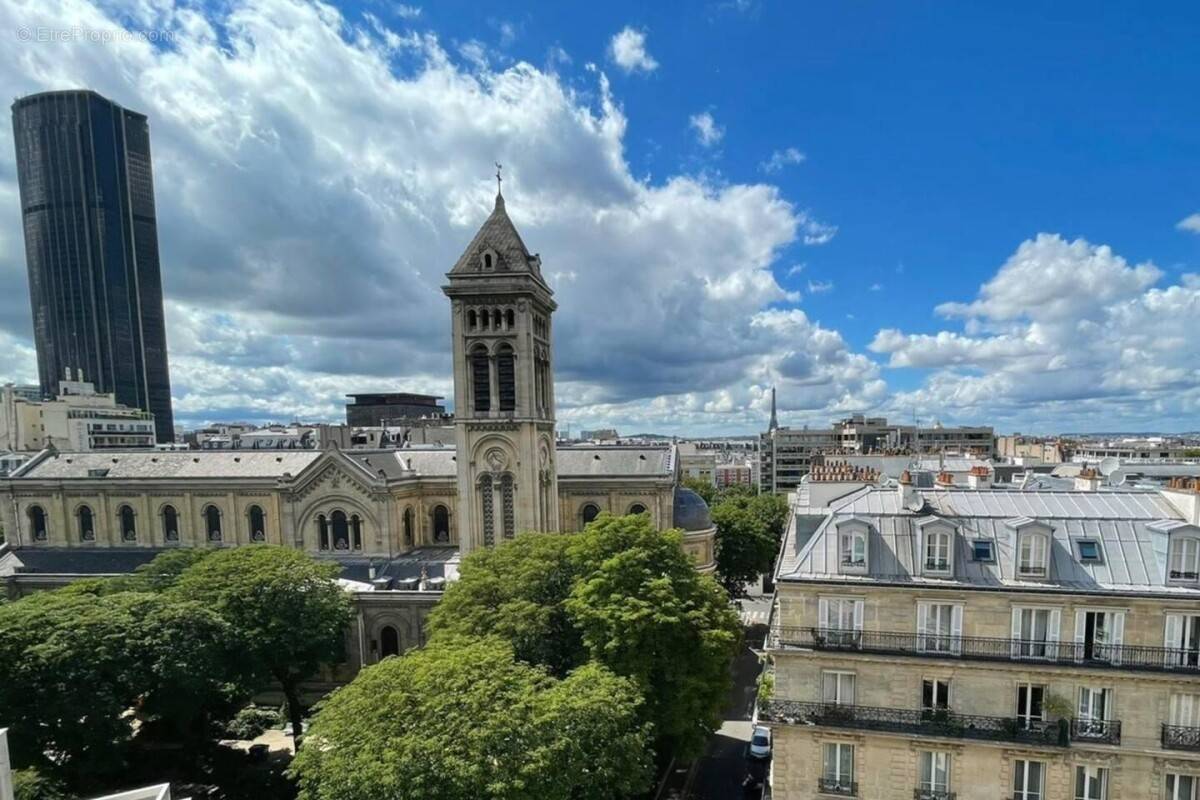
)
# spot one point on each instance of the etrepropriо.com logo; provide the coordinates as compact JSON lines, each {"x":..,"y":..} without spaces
{"x":79,"y":33}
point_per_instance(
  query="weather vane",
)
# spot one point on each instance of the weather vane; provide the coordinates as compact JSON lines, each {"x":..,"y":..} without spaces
{"x":498,"y":178}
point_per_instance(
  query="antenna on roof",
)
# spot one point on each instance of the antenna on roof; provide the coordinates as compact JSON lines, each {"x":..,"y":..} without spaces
{"x":1109,"y":465}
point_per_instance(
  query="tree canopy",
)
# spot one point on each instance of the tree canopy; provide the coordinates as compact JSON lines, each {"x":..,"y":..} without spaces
{"x":285,"y":608}
{"x":465,"y":720}
{"x":621,"y":594}
{"x":749,"y":532}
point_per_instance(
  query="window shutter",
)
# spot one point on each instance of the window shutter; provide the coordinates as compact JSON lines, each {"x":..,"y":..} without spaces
{"x":1080,"y":633}
{"x":956,"y":615}
{"x":1052,"y":632}
{"x":1172,"y":639}
{"x":922,"y":617}
{"x":858,"y":615}
{"x":1016,"y":632}
{"x":1118,"y":635}
{"x":823,"y":614}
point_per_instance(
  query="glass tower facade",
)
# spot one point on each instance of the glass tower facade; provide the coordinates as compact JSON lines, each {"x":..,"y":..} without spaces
{"x":91,"y":245}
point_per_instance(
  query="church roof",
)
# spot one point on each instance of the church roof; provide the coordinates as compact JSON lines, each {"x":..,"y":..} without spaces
{"x":499,"y":235}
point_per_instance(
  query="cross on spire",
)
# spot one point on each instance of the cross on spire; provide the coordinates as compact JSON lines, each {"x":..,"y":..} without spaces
{"x":498,"y":178}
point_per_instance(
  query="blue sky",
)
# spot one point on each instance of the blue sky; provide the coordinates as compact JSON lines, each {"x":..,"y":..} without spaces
{"x":971,"y":212}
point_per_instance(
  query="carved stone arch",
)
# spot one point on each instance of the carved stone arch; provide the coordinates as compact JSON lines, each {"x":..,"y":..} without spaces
{"x":482,"y":456}
{"x":307,"y":519}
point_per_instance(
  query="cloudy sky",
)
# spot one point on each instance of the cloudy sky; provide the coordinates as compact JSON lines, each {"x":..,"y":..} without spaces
{"x":973,"y":215}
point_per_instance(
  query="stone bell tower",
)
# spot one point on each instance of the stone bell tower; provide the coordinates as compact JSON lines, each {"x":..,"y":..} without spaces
{"x":503,"y":387}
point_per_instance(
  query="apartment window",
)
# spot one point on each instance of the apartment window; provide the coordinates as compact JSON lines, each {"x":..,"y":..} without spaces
{"x":937,"y":551}
{"x":981,"y":550}
{"x":935,"y":775}
{"x":1094,"y":710}
{"x":1182,"y":640}
{"x":854,"y":550}
{"x":1091,"y":783}
{"x":935,"y":695}
{"x":1098,"y":635}
{"x":1033,"y":553}
{"x":838,"y":688}
{"x":1185,"y":558}
{"x":1028,"y":779}
{"x":1035,"y":632}
{"x":1185,"y":710}
{"x":1089,"y":551}
{"x":1029,"y":705}
{"x":837,"y":771}
{"x":939,"y":626}
{"x":1181,"y":787}
{"x":840,"y":620}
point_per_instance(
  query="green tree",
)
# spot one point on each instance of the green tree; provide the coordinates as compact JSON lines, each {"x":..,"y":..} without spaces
{"x":744,"y":548}
{"x":465,"y":720}
{"x":518,"y":592}
{"x":646,"y":614}
{"x":76,"y":665}
{"x":284,"y":607}
{"x":31,"y":784}
{"x":164,"y":571}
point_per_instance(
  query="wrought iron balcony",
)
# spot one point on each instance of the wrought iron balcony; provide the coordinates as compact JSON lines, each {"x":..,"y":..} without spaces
{"x":917,"y":722}
{"x":1180,"y":737}
{"x":984,"y":648}
{"x":840,"y":788}
{"x":933,"y":794}
{"x":1099,"y":731}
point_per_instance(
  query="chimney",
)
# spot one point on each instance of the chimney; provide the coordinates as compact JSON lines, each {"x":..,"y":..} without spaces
{"x":1088,"y":480}
{"x":1184,"y":495}
{"x":980,"y":477}
{"x":945,"y":480}
{"x":907,"y":493}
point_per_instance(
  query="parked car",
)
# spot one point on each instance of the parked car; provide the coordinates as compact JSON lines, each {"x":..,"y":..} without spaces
{"x":760,"y":742}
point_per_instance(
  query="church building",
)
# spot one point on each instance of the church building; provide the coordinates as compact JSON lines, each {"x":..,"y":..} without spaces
{"x":395,"y":520}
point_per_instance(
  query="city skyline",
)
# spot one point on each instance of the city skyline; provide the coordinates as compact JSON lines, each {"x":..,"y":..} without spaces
{"x":304,"y":238}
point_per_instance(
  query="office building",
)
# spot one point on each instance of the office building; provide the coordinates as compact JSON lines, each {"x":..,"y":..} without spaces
{"x":393,"y":408}
{"x":91,"y":246}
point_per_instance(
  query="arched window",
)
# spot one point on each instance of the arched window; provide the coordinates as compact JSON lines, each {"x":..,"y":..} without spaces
{"x":481,"y":379}
{"x":637,"y":508}
{"x":441,"y":524}
{"x":589,"y":512}
{"x":506,"y":377}
{"x":341,"y":530}
{"x":356,"y":532}
{"x":487,"y":261}
{"x":408,"y":526}
{"x":37,"y":523}
{"x":322,"y":532}
{"x":508,"y":517}
{"x":87,"y":524}
{"x":496,"y":319}
{"x":125,"y":517}
{"x":389,"y":642}
{"x":212,"y":523}
{"x":258,"y":524}
{"x":510,"y":319}
{"x":170,"y":524}
{"x":487,"y":508}
{"x":472,"y":320}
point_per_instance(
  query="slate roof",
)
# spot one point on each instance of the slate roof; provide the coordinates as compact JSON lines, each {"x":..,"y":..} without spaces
{"x":581,"y":461}
{"x":179,"y":464}
{"x":76,"y":560}
{"x":499,"y":234}
{"x":1133,"y":530}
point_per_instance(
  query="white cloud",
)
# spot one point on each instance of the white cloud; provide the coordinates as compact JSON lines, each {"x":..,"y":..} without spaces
{"x":406,"y":12}
{"x":780,"y":159}
{"x":305,"y":228}
{"x":1190,"y":223}
{"x":796,"y":269}
{"x":708,"y":132}
{"x":876,"y":287}
{"x":817,"y":232}
{"x":628,"y":50}
{"x":1065,"y":334}
{"x":820,"y":287}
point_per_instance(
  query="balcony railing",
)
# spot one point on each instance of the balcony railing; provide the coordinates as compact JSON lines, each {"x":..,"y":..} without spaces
{"x":915,"y":721}
{"x":1180,"y":737}
{"x":1131,"y":657}
{"x":840,"y":788}
{"x":933,"y":794}
{"x":1099,"y":731}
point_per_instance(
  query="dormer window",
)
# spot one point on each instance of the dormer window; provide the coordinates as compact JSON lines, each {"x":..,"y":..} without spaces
{"x":937,"y":551}
{"x":488,"y":260}
{"x":981,"y":551}
{"x":852,"y":547}
{"x":1033,"y":554}
{"x":1089,"y":551}
{"x":1185,"y":558}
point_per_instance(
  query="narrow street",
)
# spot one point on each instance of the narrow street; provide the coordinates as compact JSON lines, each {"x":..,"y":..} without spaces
{"x":718,"y":774}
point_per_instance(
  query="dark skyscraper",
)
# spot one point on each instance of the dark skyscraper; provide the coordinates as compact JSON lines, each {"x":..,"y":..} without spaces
{"x":91,"y":243}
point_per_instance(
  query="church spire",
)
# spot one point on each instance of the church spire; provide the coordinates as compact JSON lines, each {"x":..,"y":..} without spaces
{"x":774,"y":425}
